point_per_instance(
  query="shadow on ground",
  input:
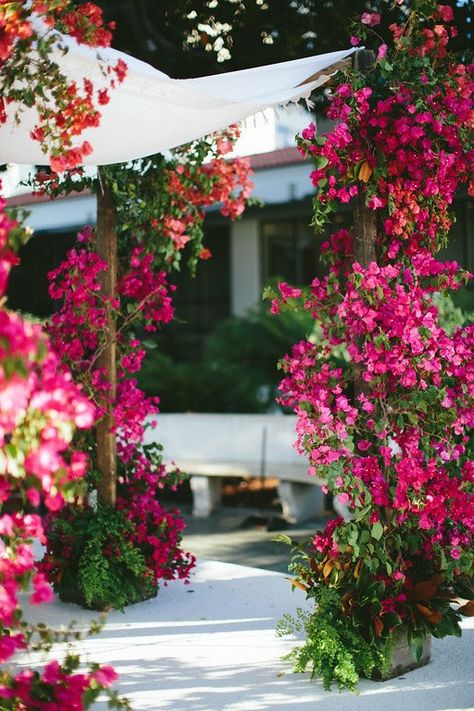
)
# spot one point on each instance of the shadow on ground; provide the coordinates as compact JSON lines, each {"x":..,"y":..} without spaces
{"x":234,"y":689}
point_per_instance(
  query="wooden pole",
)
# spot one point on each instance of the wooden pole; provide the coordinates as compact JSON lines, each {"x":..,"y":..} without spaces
{"x":107,"y":250}
{"x":365,"y":222}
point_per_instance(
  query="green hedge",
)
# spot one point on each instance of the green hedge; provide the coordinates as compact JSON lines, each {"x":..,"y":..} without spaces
{"x":238,"y":370}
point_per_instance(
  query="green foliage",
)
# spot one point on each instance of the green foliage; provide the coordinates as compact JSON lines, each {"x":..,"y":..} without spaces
{"x":220,"y":381}
{"x":19,"y":235}
{"x":451,"y":313}
{"x":250,"y":32}
{"x":333,"y":648}
{"x":104,"y":570}
{"x":259,"y":339}
{"x":194,"y":386}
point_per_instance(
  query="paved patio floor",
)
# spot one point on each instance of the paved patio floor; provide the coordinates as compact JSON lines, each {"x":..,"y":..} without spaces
{"x":211,"y":646}
{"x":240,"y":536}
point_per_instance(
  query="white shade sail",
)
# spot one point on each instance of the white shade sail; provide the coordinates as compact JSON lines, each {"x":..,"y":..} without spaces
{"x":149,"y":112}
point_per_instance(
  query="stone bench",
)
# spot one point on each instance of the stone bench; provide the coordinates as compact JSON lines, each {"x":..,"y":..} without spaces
{"x":210,"y":447}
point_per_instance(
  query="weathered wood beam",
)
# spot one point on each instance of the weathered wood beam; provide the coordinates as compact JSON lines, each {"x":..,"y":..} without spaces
{"x":107,"y":250}
{"x":328,"y":73}
{"x":365,"y":220}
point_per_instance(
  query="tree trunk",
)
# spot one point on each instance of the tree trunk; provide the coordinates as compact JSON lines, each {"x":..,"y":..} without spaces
{"x":107,"y":249}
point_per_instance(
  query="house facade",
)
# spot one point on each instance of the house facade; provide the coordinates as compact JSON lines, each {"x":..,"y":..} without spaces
{"x":270,"y":242}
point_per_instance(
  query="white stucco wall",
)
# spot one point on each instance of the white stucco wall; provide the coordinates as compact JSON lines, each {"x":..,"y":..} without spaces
{"x":62,"y":214}
{"x":276,"y":185}
{"x":283,"y":184}
{"x":273,"y":186}
{"x":245,"y":266}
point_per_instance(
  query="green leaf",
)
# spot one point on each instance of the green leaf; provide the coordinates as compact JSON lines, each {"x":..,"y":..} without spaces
{"x":269,"y":293}
{"x":321,"y":162}
{"x":391,"y":619}
{"x":362,"y":513}
{"x":377,"y":531}
{"x":447,"y":626}
{"x":283,"y":538}
{"x":443,"y":562}
{"x":415,"y":642}
{"x":353,"y":536}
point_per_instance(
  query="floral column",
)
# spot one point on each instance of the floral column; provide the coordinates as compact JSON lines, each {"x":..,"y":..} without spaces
{"x":395,"y":453}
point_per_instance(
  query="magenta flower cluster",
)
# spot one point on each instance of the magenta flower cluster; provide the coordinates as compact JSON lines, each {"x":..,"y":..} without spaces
{"x":143,"y":301}
{"x":143,"y":295}
{"x":40,"y":410}
{"x":389,"y":432}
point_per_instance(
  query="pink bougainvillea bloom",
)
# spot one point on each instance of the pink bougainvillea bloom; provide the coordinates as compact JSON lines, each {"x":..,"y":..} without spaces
{"x":105,"y":676}
{"x":446,"y":13}
{"x":42,"y":590}
{"x":375,"y":202}
{"x":310,"y":132}
{"x":9,"y":644}
{"x":372,"y":19}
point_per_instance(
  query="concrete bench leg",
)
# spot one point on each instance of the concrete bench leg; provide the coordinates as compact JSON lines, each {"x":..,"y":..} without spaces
{"x":206,"y":495}
{"x":300,"y":502}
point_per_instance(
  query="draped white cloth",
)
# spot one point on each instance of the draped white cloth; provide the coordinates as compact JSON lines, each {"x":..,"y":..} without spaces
{"x":149,"y":112}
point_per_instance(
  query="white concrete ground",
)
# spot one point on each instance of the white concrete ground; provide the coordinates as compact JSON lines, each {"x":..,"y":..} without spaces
{"x":211,"y":646}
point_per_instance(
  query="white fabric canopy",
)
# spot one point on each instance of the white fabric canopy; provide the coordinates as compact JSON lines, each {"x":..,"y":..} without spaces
{"x":149,"y":112}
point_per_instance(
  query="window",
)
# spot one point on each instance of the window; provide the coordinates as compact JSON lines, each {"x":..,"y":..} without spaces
{"x":28,"y":283}
{"x":200,"y":302}
{"x":291,"y":250}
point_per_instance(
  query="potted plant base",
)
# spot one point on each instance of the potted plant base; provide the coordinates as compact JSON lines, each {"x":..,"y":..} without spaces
{"x":75,"y":596}
{"x":401,"y":659}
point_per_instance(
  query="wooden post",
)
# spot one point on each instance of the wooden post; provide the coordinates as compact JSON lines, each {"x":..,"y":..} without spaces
{"x":107,"y":249}
{"x":365,"y":222}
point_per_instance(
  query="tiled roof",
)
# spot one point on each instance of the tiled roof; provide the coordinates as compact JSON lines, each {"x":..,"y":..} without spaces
{"x":274,"y":159}
{"x":30,"y":199}
{"x":258,"y":161}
